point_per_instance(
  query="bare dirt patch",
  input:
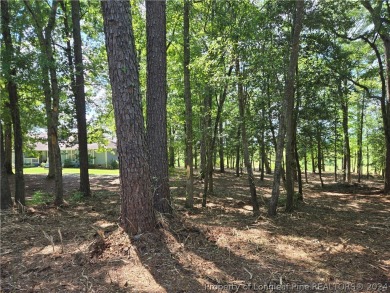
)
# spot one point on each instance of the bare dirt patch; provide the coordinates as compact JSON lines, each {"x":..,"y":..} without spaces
{"x":339,"y":235}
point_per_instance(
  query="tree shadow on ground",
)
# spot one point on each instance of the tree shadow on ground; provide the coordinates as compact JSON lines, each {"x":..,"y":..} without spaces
{"x":350,"y":232}
{"x":333,"y":237}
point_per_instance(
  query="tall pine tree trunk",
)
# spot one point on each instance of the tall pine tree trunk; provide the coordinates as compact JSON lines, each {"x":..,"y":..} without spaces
{"x":156,"y":101}
{"x":137,"y":215}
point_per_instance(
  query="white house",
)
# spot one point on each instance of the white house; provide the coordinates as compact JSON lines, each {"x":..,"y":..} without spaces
{"x":100,"y":156}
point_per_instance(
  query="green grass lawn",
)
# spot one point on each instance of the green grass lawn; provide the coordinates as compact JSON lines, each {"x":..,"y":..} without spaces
{"x":41,"y":170}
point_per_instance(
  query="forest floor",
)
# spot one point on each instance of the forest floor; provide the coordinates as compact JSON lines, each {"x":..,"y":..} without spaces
{"x":338,"y":240}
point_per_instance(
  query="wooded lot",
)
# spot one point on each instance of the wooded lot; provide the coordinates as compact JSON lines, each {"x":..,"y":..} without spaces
{"x":252,"y":138}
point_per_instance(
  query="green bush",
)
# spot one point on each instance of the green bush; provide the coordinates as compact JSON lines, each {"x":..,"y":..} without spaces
{"x":76,"y":197}
{"x":68,"y":163}
{"x":40,"y":197}
{"x":114,"y":164}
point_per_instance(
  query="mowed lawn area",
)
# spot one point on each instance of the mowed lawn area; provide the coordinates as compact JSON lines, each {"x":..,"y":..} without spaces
{"x":41,"y":170}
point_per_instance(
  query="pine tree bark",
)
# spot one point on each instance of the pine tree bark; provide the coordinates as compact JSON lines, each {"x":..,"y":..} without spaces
{"x":187,"y":97}
{"x":137,"y":215}
{"x":79,"y":93}
{"x":156,"y":102}
{"x":10,"y":74}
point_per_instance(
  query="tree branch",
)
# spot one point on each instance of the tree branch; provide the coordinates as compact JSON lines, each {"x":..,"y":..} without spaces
{"x":50,"y":24}
{"x":35,"y":18}
{"x":365,"y":88}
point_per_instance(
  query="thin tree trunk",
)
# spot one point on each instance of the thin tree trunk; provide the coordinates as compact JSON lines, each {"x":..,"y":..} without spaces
{"x":286,"y":121}
{"x":268,"y":169}
{"x":313,"y":164}
{"x":248,"y":164}
{"x":221,"y":153}
{"x":335,"y":150}
{"x":196,"y":157}
{"x":6,"y":199}
{"x":262,"y":160}
{"x":156,"y":100}
{"x":305,"y":163}
{"x":188,"y":102}
{"x":10,"y":74}
{"x":238,"y":152}
{"x":368,"y":163}
{"x":360,"y":142}
{"x":137,"y":215}
{"x":52,"y":96}
{"x":203,"y":162}
{"x":263,"y":155}
{"x":319,"y":154}
{"x":59,"y":192}
{"x":79,"y":93}
{"x":381,"y":28}
{"x":171,"y":149}
{"x":347,"y":152}
{"x":207,"y":101}
{"x":271,"y":125}
{"x":8,"y":146}
{"x":299,"y":173}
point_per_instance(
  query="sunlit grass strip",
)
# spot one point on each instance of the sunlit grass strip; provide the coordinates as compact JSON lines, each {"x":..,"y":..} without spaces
{"x":41,"y":170}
